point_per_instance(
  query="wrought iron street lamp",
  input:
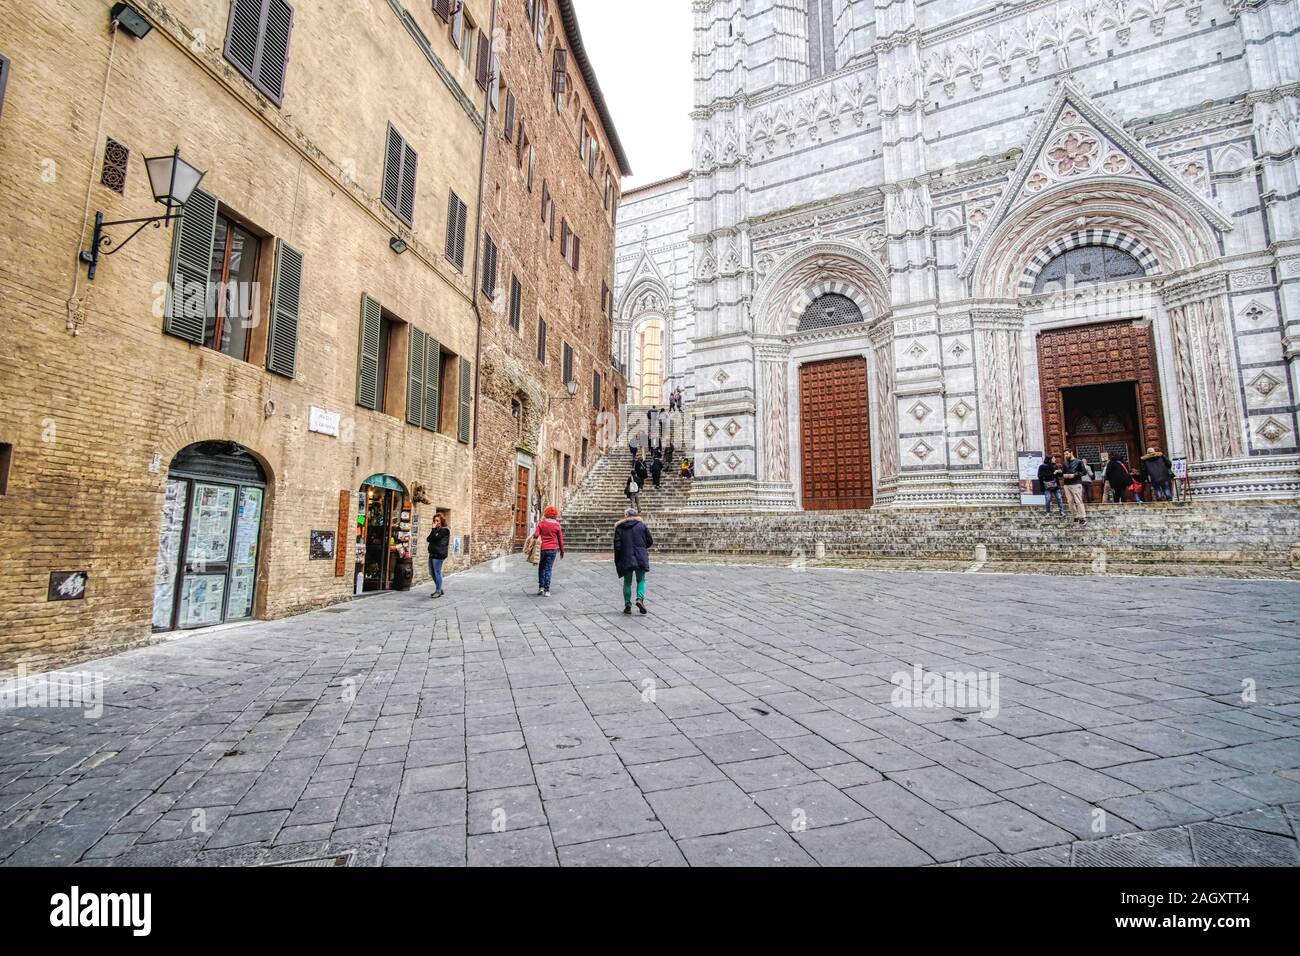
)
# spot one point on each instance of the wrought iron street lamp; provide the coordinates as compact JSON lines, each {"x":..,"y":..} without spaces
{"x":571,"y":387}
{"x":173,"y":182}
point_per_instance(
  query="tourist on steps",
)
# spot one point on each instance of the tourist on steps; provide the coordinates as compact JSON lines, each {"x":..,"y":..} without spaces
{"x":1072,"y":472}
{"x":1120,"y":480}
{"x":632,"y":489}
{"x":550,"y":536}
{"x":1159,"y":473}
{"x":668,"y":455}
{"x":656,"y":469}
{"x":1049,"y":476}
{"x":439,"y":541}
{"x":632,"y":544}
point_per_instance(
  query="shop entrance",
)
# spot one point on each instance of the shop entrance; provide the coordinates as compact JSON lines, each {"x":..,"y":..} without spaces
{"x":383,"y":534}
{"x":211,"y":529}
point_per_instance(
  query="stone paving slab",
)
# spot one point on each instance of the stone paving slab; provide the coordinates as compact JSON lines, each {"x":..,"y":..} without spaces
{"x":753,"y":718}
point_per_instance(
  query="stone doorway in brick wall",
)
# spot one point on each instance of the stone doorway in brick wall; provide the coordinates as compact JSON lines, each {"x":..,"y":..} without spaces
{"x":1101,"y":391}
{"x":209,"y":545}
{"x":835,"y":435}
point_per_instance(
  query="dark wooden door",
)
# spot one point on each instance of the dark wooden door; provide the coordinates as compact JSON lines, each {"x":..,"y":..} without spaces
{"x":521,"y":506}
{"x":835,"y":435}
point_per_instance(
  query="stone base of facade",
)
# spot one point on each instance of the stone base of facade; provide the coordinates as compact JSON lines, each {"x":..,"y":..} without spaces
{"x":1248,"y":479}
{"x":741,"y":497}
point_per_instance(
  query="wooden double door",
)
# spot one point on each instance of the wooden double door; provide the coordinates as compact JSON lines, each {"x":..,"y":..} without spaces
{"x":835,"y":435}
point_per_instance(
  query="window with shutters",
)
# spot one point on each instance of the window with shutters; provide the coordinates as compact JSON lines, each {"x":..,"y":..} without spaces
{"x":584,"y":138}
{"x":559,"y":77}
{"x":508,"y":129}
{"x":609,"y":188}
{"x":521,"y":146}
{"x":586,"y":450}
{"x":458,"y":27}
{"x":220,"y":267}
{"x":443,"y":9}
{"x":568,"y":363}
{"x":375,"y":356}
{"x":483,"y":70}
{"x":465,"y":411}
{"x":537,"y":17}
{"x":604,"y":298}
{"x":595,"y":394}
{"x":489,"y":266}
{"x":424,"y":379}
{"x":546,"y":199}
{"x":551,"y":227}
{"x":564,"y":239}
{"x":532,"y":166}
{"x":541,"y":340}
{"x":400,"y":164}
{"x":575,"y":259}
{"x":257,"y":43}
{"x":516,"y":303}
{"x":456,"y":213}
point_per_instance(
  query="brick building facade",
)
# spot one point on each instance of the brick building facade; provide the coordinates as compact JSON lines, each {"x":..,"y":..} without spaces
{"x":553,"y":170}
{"x":191,"y":427}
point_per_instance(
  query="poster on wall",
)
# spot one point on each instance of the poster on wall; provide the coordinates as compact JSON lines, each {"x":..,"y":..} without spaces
{"x":1031,"y":492}
{"x":1180,"y":468}
{"x":202,"y":600}
{"x":210,"y":521}
{"x":68,"y":585}
{"x":322,"y":545}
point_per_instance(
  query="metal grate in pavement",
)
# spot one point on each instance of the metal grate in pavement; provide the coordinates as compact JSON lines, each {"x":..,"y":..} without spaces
{"x":317,"y":861}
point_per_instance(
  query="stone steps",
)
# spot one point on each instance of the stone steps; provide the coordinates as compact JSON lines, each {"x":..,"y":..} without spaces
{"x":1254,"y":535}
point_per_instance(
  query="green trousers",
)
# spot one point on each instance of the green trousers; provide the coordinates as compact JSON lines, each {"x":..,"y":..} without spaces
{"x":627,"y":587}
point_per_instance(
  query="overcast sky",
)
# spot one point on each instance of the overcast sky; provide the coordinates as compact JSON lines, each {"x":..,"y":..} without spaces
{"x":644,"y":67}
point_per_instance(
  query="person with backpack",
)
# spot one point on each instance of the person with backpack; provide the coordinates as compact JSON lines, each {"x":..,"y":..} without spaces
{"x":632,"y":544}
{"x":549,"y":535}
{"x":632,"y":489}
{"x":439,"y":541}
{"x":1072,"y":472}
{"x":1049,"y":476}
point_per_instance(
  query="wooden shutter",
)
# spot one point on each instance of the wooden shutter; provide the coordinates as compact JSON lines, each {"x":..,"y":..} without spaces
{"x":443,"y":9}
{"x":516,"y":302}
{"x":541,"y":340}
{"x":368,"y":354}
{"x":456,"y":211}
{"x":466,"y":400}
{"x":243,"y":33}
{"x":546,"y":198}
{"x":577,"y":252}
{"x":187,"y":311}
{"x":277,"y":25}
{"x":462,"y":209}
{"x":286,"y":306}
{"x":4,"y":80}
{"x":452,"y":202}
{"x":432,"y":384}
{"x":394,"y":153}
{"x":559,"y":76}
{"x":406,"y":205}
{"x":484,"y":60}
{"x":415,"y":379}
{"x":489,"y":265}
{"x":510,"y":116}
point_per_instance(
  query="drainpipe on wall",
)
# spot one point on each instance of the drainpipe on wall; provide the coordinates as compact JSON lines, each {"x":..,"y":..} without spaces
{"x":478,"y":235}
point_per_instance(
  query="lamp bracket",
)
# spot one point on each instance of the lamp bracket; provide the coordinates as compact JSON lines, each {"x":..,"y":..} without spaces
{"x":100,"y":240}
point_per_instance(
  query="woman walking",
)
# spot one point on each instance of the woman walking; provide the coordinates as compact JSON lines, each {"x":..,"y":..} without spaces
{"x":550,"y":537}
{"x":439,"y":540}
{"x":632,"y":544}
{"x":632,"y":489}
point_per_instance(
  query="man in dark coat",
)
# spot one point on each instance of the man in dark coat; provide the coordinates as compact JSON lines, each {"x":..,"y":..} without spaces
{"x":632,"y":544}
{"x":1159,"y":472}
{"x":656,"y":469}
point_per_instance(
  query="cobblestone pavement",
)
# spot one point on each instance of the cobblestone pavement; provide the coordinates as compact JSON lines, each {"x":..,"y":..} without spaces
{"x":749,"y":719}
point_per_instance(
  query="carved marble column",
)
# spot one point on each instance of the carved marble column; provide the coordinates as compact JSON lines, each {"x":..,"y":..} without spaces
{"x":1207,"y":376}
{"x":999,"y":357}
{"x":885,"y":438}
{"x":774,"y":407}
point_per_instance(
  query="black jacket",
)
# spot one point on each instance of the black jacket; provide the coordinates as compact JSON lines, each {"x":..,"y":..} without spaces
{"x":1157,"y":468}
{"x":1117,"y":475}
{"x":1047,"y":473}
{"x":439,"y":541}
{"x":1073,"y":471}
{"x":632,"y":544}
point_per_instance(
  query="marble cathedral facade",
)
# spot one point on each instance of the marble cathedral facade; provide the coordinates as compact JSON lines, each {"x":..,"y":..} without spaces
{"x":927,"y":235}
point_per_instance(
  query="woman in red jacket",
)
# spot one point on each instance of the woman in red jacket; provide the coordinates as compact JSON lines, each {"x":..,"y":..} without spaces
{"x":551,"y":537}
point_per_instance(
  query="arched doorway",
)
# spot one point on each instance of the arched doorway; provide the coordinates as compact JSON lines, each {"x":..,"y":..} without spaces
{"x":209,"y":545}
{"x":648,"y":360}
{"x":384,"y":524}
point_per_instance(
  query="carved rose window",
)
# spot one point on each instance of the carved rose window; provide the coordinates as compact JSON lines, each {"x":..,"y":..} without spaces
{"x":1075,"y":154}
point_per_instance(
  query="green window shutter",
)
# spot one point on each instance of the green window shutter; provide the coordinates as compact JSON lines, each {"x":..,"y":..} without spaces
{"x":432,"y":384}
{"x":415,"y":379}
{"x":466,"y":398}
{"x":196,"y":230}
{"x":368,"y":358}
{"x":286,"y":304}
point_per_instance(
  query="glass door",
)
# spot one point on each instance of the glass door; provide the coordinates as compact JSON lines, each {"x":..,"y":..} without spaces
{"x":207,"y":555}
{"x":167,"y":574}
{"x":243,"y":563}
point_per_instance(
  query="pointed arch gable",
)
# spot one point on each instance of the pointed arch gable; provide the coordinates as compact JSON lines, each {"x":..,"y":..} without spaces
{"x":822,"y":267}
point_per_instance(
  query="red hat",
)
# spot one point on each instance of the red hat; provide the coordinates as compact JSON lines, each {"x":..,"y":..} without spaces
{"x":551,"y":512}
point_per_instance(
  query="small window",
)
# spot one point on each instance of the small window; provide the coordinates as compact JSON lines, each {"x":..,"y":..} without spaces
{"x":516,"y":303}
{"x":585,"y":451}
{"x":568,"y":363}
{"x":235,"y":255}
{"x":532,"y":166}
{"x":4,"y":80}
{"x":541,"y":340}
{"x":6,"y":462}
{"x":559,"y":77}
{"x":400,"y":163}
{"x":568,"y":471}
{"x":508,"y":126}
{"x":489,"y":266}
{"x":564,"y":239}
{"x":595,"y":397}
